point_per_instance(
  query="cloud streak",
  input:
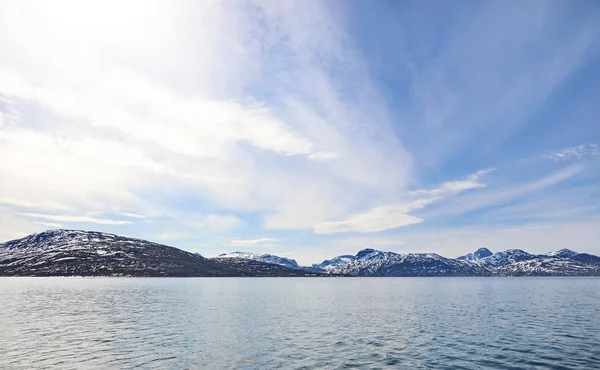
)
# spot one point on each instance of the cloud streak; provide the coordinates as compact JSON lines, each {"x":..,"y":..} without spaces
{"x":294,"y":119}
{"x":575,"y":152}
{"x":77,"y":219}
{"x":397,"y":215}
{"x":120,"y":132}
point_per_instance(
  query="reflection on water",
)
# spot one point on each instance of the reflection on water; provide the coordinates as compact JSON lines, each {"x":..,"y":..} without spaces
{"x":469,"y":323}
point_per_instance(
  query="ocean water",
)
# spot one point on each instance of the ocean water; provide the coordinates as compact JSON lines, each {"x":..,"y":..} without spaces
{"x":305,"y":323}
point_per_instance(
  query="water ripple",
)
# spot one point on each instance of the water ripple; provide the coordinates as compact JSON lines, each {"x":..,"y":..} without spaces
{"x":386,"y":323}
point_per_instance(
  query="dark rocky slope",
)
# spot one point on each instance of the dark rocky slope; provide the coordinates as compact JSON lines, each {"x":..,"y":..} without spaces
{"x":88,"y":253}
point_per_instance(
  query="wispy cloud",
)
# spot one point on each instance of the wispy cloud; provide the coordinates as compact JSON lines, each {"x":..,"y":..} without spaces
{"x":465,"y":97}
{"x":38,"y":205}
{"x":323,"y":156}
{"x":291,"y":119}
{"x":575,"y":152}
{"x":76,"y":219}
{"x":220,"y":140}
{"x":374,"y":220}
{"x":397,"y":215}
{"x":454,"y":187}
{"x":492,"y":197}
{"x":48,"y":224}
{"x":131,"y":215}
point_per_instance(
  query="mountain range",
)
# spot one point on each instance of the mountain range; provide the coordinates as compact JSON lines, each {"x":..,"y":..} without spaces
{"x":90,"y":253}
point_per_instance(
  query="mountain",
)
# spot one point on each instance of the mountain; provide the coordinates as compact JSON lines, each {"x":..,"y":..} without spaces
{"x":507,"y":257}
{"x":584,"y":257}
{"x":477,"y":255}
{"x":89,"y":253}
{"x":329,"y":264}
{"x":371,"y":262}
{"x":565,"y":253}
{"x":549,"y":266}
{"x":251,"y":267}
{"x":267,"y":258}
{"x":564,"y":262}
{"x":512,"y":262}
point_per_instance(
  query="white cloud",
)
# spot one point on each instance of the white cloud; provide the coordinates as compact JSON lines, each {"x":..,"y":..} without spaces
{"x":575,"y":152}
{"x":48,"y":224}
{"x":377,"y":219}
{"x":263,"y":242}
{"x":454,"y":187}
{"x":394,"y":216}
{"x":67,"y":218}
{"x":252,"y":121}
{"x":131,"y":215}
{"x":491,"y":197}
{"x":323,"y":156}
{"x":53,"y":173}
{"x":107,"y":124}
{"x":41,"y":205}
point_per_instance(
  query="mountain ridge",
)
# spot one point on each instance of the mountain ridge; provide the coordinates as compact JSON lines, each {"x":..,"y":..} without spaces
{"x":90,"y":253}
{"x":64,"y":252}
{"x":262,"y":257}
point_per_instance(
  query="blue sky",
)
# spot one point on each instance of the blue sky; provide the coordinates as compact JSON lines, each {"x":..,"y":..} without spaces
{"x":304,"y":129}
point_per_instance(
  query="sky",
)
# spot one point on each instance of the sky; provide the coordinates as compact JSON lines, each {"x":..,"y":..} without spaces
{"x":305,"y":129}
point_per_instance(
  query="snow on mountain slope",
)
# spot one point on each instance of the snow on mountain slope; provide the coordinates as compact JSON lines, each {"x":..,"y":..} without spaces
{"x":512,"y":262}
{"x":507,"y":257}
{"x":564,"y":262}
{"x":549,"y":266}
{"x":370,"y":262}
{"x":336,"y":261}
{"x":267,"y":258}
{"x":74,"y":252}
{"x":566,"y":253}
{"x":89,"y":253}
{"x":477,"y":255}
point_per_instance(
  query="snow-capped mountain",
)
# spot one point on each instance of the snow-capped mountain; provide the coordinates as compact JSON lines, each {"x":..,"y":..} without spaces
{"x":565,"y":253}
{"x":74,"y":252}
{"x":507,"y":257}
{"x":371,"y":262}
{"x":549,"y":266}
{"x":329,"y":264}
{"x":564,"y":262}
{"x":512,"y":262}
{"x":89,"y":253}
{"x":477,"y":255}
{"x":267,"y":258}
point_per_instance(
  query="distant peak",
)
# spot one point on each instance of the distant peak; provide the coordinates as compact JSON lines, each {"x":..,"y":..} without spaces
{"x":563,"y":253}
{"x":482,"y":253}
{"x":268,"y":258}
{"x":365,"y":252}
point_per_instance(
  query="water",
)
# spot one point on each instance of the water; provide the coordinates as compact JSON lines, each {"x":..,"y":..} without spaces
{"x":458,"y":323}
